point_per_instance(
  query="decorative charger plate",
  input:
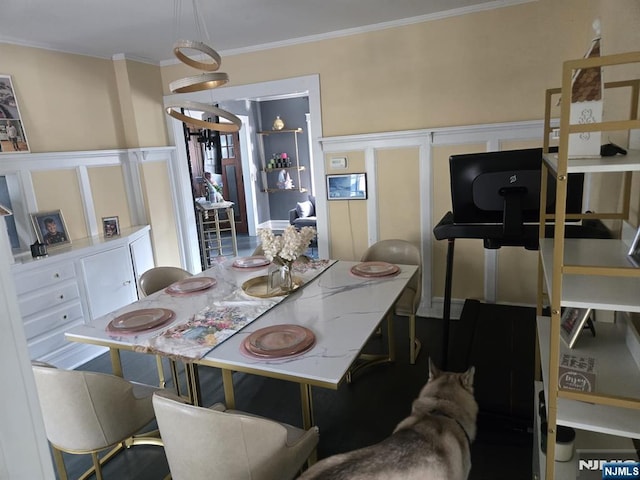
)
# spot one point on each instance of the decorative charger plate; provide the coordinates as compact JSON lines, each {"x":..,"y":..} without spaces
{"x":190,"y":285}
{"x":255,"y":261}
{"x":375,"y":269}
{"x":279,"y":341}
{"x":259,"y":287}
{"x":140,"y":320}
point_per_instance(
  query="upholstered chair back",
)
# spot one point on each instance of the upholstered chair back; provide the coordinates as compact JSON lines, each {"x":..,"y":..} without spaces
{"x":87,"y":411}
{"x":158,"y":278}
{"x":205,"y":443}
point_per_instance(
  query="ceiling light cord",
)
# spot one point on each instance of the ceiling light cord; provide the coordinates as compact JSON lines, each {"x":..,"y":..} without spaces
{"x":206,"y":81}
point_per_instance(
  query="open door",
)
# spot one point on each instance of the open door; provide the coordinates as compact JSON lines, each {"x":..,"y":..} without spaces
{"x":232,"y":181}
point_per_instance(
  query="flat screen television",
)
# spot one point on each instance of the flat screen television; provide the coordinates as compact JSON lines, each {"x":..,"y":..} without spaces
{"x":504,"y":188}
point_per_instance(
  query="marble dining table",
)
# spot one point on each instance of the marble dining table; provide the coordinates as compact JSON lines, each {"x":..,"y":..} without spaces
{"x":342,"y":310}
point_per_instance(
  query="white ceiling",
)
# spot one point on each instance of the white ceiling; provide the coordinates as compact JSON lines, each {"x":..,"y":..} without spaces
{"x":146,"y":29}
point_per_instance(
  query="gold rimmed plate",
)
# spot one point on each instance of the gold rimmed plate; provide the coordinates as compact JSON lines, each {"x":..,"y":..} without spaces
{"x":375,"y":269}
{"x":259,"y":287}
{"x":255,"y":261}
{"x":140,"y":320}
{"x":279,"y":341}
{"x":191,"y":285}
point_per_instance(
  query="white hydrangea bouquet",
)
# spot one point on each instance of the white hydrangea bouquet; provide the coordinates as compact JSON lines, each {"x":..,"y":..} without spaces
{"x":285,"y":248}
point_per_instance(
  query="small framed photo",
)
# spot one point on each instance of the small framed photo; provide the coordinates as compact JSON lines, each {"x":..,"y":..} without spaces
{"x":110,"y":227}
{"x":348,"y":186}
{"x":634,"y":251}
{"x":50,"y":228}
{"x":572,"y":323}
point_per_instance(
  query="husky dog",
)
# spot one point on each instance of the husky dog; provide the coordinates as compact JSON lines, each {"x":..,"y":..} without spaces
{"x":433,"y":443}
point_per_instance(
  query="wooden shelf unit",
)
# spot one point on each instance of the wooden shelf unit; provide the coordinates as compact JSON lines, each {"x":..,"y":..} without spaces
{"x":588,"y":273}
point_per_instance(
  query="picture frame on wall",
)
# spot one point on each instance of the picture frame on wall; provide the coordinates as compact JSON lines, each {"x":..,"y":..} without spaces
{"x":571,"y":324}
{"x":13,"y":138}
{"x":111,"y":226}
{"x":50,"y":228}
{"x":347,"y":186}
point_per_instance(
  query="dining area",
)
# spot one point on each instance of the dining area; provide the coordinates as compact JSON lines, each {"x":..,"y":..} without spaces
{"x":237,"y":321}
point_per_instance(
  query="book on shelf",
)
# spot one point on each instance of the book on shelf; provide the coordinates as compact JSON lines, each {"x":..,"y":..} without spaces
{"x":577,"y":372}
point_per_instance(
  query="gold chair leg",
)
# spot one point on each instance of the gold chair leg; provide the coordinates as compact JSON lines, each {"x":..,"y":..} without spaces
{"x":174,"y":374}
{"x":96,"y":465}
{"x":368,"y":360}
{"x":162,"y":382}
{"x":59,"y":460}
{"x":97,"y":470}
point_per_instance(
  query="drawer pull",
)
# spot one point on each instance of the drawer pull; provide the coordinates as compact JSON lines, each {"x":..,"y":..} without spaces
{"x":64,"y":317}
{"x":61,"y":297}
{"x":56,"y":275}
{"x":128,"y":282}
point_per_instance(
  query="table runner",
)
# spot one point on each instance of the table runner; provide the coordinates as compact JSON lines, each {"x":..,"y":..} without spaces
{"x":223,"y":317}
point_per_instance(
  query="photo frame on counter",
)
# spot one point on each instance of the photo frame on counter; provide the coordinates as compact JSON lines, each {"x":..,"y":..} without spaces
{"x":50,"y":228}
{"x":571,"y":324}
{"x":13,"y":138}
{"x":111,"y":227}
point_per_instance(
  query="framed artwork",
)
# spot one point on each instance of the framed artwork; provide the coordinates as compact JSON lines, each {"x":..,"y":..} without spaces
{"x":111,"y":227}
{"x":572,"y":323}
{"x":347,"y":186}
{"x":12,"y":136}
{"x":634,"y":251}
{"x":50,"y":228}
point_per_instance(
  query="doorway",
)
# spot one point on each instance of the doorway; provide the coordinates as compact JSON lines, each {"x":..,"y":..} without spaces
{"x":232,"y":179}
{"x":242,"y":95}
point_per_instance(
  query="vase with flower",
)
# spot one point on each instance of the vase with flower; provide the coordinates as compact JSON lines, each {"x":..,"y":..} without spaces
{"x":283,"y":250}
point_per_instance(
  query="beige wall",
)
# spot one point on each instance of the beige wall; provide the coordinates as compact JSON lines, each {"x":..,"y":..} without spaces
{"x":160,"y":211}
{"x":60,"y":190}
{"x":398,"y":172}
{"x":67,"y":102}
{"x":485,"y":67}
{"x":349,"y":225}
{"x":109,"y":194}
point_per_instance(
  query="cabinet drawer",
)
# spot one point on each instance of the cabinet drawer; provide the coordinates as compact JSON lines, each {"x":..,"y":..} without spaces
{"x":53,"y":319}
{"x":46,"y":344}
{"x":48,"y":298}
{"x":50,"y":275}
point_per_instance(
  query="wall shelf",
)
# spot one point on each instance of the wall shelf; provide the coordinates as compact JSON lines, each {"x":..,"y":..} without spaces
{"x":269,"y":171}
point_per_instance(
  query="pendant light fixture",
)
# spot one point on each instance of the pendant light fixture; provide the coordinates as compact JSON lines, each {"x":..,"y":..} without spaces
{"x":206,"y":81}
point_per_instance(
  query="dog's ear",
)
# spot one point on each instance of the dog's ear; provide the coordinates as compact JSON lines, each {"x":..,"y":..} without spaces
{"x":467,"y":378}
{"x":434,"y":371}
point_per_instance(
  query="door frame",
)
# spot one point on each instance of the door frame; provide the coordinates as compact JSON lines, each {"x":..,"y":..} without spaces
{"x":309,"y":86}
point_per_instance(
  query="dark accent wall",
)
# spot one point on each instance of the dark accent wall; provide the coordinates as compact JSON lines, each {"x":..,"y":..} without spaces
{"x":292,"y":111}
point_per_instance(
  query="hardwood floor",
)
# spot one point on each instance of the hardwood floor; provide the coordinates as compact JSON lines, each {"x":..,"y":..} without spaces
{"x":353,"y":416}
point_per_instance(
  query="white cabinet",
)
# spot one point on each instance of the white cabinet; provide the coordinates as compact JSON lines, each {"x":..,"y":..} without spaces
{"x":74,"y":285}
{"x":589,"y":273}
{"x":109,"y":280}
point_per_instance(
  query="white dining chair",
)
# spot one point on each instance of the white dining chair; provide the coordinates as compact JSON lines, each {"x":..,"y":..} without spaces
{"x":157,"y":278}
{"x":88,"y":412}
{"x":404,"y":253}
{"x":151,"y":281}
{"x":216,"y":443}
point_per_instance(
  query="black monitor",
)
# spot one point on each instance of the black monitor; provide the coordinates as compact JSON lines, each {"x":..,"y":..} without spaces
{"x":504,"y":188}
